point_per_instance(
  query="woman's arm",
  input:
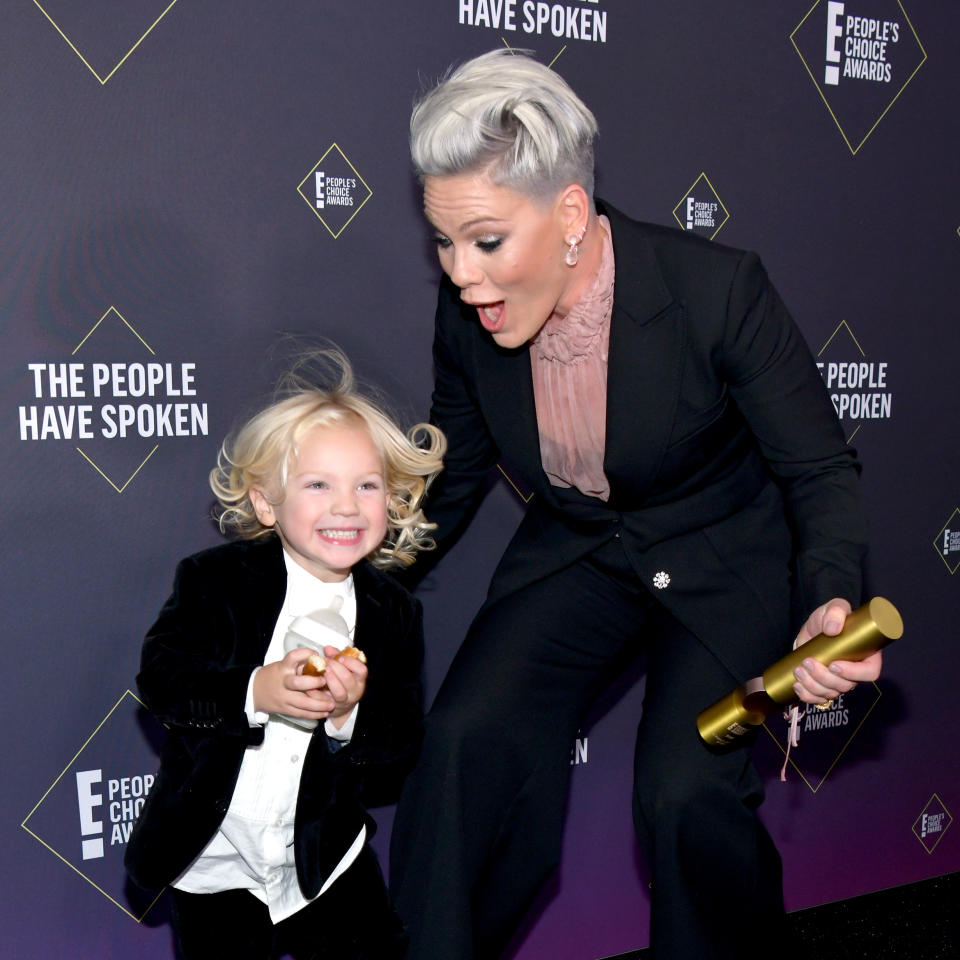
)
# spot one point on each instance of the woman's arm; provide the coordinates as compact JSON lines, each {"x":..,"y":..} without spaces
{"x":777,"y":387}
{"x":471,"y":452}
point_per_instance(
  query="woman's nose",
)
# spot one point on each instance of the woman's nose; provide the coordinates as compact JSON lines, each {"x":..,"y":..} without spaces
{"x":464,"y":272}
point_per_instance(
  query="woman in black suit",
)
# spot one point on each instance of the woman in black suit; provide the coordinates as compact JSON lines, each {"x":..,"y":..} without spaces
{"x":693,"y":497}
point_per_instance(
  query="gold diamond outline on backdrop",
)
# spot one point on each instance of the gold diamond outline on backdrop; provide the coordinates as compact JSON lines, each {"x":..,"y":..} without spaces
{"x":938,"y":540}
{"x":112,"y":309}
{"x":853,"y":150}
{"x":83,"y":60}
{"x":56,"y":853}
{"x":856,"y":343}
{"x":556,"y":57}
{"x":943,"y":833}
{"x":310,"y":204}
{"x":516,"y":489}
{"x":723,"y":206}
{"x":843,"y":749}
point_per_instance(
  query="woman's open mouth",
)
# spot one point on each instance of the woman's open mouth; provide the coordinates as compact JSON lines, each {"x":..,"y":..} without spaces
{"x":491,"y":316}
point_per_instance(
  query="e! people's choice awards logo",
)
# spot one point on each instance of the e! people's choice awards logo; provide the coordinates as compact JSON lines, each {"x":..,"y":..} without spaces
{"x":701,"y":210}
{"x":947,"y":542}
{"x":334,"y":190}
{"x":115,"y":410}
{"x":86,"y":815}
{"x":825,"y":735}
{"x":932,"y":824}
{"x":860,"y":54}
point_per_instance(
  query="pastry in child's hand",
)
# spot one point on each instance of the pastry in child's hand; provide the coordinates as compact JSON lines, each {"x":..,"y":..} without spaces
{"x":354,"y":652}
{"x":314,"y":666}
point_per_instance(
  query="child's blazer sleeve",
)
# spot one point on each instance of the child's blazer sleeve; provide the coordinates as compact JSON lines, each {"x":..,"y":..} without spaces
{"x":196,"y":662}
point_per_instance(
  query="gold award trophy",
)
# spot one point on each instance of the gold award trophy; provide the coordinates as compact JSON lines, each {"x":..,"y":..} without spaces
{"x":865,"y":631}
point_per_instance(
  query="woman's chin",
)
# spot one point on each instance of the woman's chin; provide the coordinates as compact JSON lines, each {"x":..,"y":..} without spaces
{"x":508,"y":328}
{"x":508,"y":339}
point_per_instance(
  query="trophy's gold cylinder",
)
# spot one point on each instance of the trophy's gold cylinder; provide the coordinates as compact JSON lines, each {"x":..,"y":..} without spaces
{"x":866,"y":630}
{"x":730,"y":717}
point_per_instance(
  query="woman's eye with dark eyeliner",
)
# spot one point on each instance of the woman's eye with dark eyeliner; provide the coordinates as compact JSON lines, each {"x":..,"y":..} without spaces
{"x":489,"y":244}
{"x":441,"y":241}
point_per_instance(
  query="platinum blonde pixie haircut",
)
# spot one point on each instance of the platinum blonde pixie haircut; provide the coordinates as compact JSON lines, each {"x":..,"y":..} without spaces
{"x":262,"y":451}
{"x":505,"y":113}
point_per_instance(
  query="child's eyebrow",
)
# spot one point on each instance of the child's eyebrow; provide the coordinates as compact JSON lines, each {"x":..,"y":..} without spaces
{"x":326,"y":473}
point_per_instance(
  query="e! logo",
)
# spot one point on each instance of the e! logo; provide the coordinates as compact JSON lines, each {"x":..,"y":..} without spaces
{"x":831,"y":75}
{"x":86,"y":801}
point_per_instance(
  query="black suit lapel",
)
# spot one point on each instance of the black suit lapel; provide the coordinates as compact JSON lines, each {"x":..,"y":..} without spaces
{"x":259,"y":597}
{"x":375,"y":628}
{"x":373,"y":612}
{"x":506,"y":388}
{"x":647,"y":334}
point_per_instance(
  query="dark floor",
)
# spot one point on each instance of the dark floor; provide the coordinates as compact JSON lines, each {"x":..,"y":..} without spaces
{"x":920,"y":921}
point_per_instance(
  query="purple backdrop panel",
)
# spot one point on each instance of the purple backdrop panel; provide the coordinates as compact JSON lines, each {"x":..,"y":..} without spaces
{"x":186,"y":183}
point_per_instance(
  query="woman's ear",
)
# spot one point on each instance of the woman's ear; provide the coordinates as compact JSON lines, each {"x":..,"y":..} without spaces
{"x":573,"y":207}
{"x":262,"y":507}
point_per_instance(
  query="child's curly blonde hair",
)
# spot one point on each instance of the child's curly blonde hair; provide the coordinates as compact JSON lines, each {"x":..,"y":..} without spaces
{"x":260,"y":455}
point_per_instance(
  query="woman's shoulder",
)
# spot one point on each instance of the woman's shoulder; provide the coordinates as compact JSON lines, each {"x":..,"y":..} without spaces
{"x":689,"y":265}
{"x":672,"y":241}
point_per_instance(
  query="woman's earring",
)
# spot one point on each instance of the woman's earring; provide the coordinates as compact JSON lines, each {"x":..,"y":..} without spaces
{"x":573,"y":254}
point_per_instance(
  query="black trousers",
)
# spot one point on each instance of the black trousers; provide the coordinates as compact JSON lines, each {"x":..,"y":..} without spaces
{"x":353,"y":920}
{"x":479,"y":824}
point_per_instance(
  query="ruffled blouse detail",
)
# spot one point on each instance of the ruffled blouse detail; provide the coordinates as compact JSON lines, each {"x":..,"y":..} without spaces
{"x":569,"y":365}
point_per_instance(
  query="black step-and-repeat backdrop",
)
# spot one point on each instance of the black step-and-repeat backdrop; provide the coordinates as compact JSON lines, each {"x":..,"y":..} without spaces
{"x":185,"y":183}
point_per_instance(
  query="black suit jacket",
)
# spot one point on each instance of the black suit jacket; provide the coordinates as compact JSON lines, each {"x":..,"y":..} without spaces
{"x":197,"y":660}
{"x":727,"y":465}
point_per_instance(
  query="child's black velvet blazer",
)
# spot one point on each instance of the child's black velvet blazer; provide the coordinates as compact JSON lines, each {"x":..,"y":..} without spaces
{"x":211,"y":634}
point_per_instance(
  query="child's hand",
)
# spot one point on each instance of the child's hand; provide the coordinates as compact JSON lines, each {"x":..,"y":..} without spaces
{"x":279,"y":687}
{"x":346,"y":682}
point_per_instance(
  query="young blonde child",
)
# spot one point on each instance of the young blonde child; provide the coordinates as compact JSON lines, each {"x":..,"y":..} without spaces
{"x":256,"y":821}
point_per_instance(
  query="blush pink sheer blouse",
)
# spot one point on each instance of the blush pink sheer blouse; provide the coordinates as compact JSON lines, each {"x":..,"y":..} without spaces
{"x":569,"y":363}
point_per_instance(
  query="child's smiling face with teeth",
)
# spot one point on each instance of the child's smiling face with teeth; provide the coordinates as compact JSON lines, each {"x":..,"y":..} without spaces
{"x":334,"y":507}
